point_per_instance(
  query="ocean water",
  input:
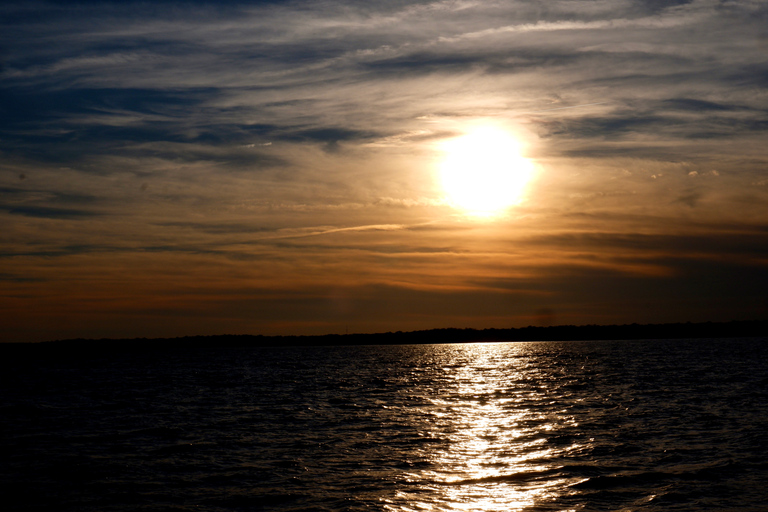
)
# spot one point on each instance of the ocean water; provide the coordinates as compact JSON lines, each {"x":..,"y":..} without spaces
{"x":547,"y":426}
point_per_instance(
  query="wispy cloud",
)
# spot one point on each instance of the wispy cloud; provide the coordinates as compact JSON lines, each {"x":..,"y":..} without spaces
{"x":294,"y":146}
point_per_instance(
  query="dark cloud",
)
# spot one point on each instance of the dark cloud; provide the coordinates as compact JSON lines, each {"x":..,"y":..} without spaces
{"x":655,"y":6}
{"x":425,"y":63}
{"x":710,"y":120}
{"x":755,"y":75}
{"x":50,"y":212}
{"x":694,"y":105}
{"x":492,"y":61}
{"x":690,"y":199}
{"x":751,"y":242}
{"x":219,"y":228}
{"x":14,"y":278}
{"x":330,"y":136}
{"x":48,"y":204}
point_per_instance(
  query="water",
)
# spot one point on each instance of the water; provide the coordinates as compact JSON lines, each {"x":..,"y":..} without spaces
{"x":630,"y":425}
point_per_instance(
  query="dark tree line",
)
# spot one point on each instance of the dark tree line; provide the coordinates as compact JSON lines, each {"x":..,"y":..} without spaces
{"x":734,"y":329}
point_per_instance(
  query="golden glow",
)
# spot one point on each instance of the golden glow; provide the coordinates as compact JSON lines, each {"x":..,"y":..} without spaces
{"x":483,"y":172}
{"x":496,"y":458}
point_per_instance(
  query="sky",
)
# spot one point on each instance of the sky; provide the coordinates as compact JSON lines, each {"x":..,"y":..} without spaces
{"x":199,"y":168}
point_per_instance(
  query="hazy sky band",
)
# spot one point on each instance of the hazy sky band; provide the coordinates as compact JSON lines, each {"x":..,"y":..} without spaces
{"x":270,"y":166}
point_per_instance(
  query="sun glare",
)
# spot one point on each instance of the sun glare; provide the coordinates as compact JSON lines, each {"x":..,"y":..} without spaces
{"x":483,"y":172}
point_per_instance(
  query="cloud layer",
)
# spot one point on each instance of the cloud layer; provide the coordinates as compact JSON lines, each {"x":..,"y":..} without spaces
{"x":199,"y":168}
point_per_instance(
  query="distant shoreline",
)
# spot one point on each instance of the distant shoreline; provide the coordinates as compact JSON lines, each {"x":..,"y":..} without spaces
{"x":733,"y":329}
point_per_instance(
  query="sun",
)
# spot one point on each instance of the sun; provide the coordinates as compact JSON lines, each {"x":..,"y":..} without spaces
{"x":483,"y":172}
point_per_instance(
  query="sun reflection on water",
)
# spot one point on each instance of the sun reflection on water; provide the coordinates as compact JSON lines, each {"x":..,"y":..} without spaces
{"x":498,"y":455}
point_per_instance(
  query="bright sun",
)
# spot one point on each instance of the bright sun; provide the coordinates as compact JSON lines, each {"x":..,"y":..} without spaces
{"x":483,"y":172}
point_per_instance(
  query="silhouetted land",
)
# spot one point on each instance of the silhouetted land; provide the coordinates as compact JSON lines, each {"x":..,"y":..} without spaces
{"x":735,"y":329}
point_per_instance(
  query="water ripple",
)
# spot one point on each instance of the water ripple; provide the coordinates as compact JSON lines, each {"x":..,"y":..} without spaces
{"x":655,"y":426}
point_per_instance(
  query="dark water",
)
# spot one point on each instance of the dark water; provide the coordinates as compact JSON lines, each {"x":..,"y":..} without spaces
{"x":631,"y":425}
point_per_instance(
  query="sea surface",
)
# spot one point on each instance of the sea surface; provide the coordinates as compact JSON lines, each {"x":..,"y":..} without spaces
{"x":654,"y":425}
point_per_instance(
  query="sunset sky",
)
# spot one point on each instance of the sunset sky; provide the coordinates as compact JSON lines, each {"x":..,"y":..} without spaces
{"x":182,"y":168}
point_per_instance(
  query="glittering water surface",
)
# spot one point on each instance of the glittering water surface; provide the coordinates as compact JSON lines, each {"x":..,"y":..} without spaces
{"x":631,"y":425}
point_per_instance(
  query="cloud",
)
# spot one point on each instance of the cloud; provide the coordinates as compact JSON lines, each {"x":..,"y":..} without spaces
{"x":237,"y":53}
{"x":294,"y":146}
{"x":50,"y":213}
